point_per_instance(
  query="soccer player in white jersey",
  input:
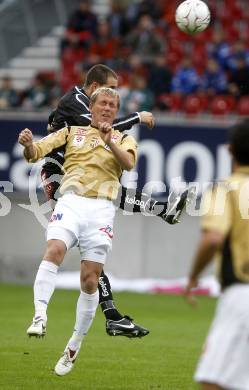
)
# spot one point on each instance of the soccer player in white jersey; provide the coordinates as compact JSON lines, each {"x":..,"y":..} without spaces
{"x":95,"y":157}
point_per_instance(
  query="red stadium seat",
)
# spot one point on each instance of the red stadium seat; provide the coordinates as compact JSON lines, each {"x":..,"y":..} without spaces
{"x":204,"y":100}
{"x":228,"y":13}
{"x":172,"y":101}
{"x":232,"y":33}
{"x":175,"y":53}
{"x":175,"y":33}
{"x":203,"y":38}
{"x":244,"y":35}
{"x":222,"y":105}
{"x":192,"y":105}
{"x":70,"y":65}
{"x":243,"y":106}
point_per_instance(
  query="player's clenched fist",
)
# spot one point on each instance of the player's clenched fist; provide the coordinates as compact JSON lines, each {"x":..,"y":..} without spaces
{"x":105,"y":130}
{"x":147,"y":119}
{"x":25,"y":138}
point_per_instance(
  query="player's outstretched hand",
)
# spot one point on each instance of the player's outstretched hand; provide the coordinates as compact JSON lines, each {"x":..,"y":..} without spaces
{"x":25,"y":138}
{"x":105,"y":131}
{"x":188,"y":293}
{"x":147,"y":119}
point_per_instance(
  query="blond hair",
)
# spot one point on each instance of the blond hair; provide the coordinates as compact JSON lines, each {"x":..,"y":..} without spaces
{"x":107,"y":91}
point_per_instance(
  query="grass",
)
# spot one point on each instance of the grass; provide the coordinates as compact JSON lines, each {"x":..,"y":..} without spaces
{"x":163,"y":360}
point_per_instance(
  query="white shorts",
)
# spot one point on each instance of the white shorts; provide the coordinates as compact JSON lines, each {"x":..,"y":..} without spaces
{"x":225,"y":359}
{"x":86,"y":222}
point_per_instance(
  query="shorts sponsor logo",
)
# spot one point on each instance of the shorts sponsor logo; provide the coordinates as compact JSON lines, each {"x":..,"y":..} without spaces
{"x":56,"y":217}
{"x":108,"y":230}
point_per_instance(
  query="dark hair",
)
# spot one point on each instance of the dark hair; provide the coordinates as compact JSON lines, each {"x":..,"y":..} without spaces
{"x":239,"y":140}
{"x":99,"y":73}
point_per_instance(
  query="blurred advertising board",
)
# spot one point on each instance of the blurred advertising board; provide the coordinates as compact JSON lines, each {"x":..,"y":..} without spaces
{"x":171,"y":151}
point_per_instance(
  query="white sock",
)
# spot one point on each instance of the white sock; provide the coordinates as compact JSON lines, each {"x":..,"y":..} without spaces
{"x":85,"y":313}
{"x":44,"y":287}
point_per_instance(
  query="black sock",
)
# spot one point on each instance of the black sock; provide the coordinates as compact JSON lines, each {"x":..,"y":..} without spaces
{"x":106,"y":299}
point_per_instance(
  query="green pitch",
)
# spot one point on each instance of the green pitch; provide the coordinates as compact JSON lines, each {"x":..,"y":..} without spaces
{"x":163,"y":360}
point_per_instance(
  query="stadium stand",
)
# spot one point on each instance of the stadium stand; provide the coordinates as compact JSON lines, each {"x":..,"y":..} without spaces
{"x":243,"y":106}
{"x":221,"y":105}
{"x":205,"y":73}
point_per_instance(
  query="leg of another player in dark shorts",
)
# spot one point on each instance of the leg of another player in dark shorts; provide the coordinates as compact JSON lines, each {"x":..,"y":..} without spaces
{"x":135,"y":201}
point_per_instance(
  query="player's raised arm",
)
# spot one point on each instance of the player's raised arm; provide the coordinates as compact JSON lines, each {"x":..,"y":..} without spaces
{"x":26,"y":139}
{"x":33,"y":151}
{"x":125,"y":123}
{"x":126,"y":156}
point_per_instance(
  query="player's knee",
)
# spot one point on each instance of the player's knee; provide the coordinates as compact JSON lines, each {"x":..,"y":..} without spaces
{"x":89,"y":282}
{"x":55,"y":251}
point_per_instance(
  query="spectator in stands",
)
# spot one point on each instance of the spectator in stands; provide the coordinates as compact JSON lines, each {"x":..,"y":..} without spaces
{"x":130,"y":66}
{"x":131,"y":15}
{"x":186,"y":79}
{"x":135,"y":10}
{"x":220,"y":49}
{"x":138,"y":97}
{"x":54,"y":94}
{"x":9,"y":97}
{"x":150,"y":7}
{"x":117,"y":20}
{"x":238,"y":50}
{"x":214,"y":80}
{"x":105,"y":47}
{"x":239,"y":80}
{"x":145,"y":41}
{"x":160,"y":76}
{"x":81,"y":28}
{"x":37,"y":96}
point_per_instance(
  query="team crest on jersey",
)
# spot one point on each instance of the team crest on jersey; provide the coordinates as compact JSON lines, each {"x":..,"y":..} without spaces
{"x":79,"y":137}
